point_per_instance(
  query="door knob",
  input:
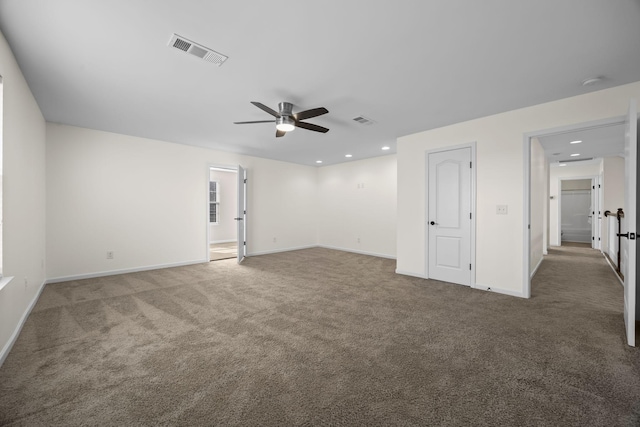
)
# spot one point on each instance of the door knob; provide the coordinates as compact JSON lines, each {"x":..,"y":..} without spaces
{"x":433,"y":223}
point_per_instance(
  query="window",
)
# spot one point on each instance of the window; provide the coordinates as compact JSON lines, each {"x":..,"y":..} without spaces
{"x":214,"y":202}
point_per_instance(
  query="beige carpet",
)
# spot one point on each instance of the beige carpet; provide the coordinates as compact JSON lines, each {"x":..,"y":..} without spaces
{"x":321,"y":337}
{"x":220,"y":251}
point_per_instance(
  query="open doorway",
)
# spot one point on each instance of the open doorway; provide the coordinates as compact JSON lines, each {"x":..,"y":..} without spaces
{"x":621,"y":150}
{"x":223,"y":203}
{"x":591,"y":151}
{"x":579,"y":212}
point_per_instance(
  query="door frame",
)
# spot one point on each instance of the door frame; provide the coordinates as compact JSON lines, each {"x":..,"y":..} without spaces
{"x":230,"y":168}
{"x":594,"y":193}
{"x":472,"y":146}
{"x":526,"y":191}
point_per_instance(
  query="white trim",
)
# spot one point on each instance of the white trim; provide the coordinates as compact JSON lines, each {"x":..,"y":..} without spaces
{"x":533,"y":273}
{"x":614,"y":269}
{"x":473,"y":204}
{"x":276,"y":251}
{"x":4,"y":281}
{"x":123,"y":271}
{"x":16,"y":332}
{"x":357,"y":251}
{"x":526,"y":217}
{"x":500,"y":291}
{"x":409,"y":273}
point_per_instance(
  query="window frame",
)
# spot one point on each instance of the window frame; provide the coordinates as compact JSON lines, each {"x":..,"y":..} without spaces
{"x":214,"y":203}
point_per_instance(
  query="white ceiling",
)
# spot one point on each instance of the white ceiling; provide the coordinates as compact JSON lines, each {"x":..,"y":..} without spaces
{"x":410,"y":65}
{"x":604,"y":141}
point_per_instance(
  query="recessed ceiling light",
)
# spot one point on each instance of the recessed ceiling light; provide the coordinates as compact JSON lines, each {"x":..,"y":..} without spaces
{"x":562,"y":164}
{"x":575,"y":155}
{"x":318,"y":161}
{"x":575,"y":142}
{"x":348,"y":155}
{"x":386,"y":148}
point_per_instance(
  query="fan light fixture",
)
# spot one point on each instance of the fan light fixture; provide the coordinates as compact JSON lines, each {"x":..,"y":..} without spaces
{"x":285,"y":124}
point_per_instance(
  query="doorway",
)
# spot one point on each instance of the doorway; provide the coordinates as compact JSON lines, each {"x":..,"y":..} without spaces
{"x":625,"y":144}
{"x":223,"y":202}
{"x":590,"y":151}
{"x":579,"y":212}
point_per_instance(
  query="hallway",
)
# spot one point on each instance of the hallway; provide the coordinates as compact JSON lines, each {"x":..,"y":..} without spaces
{"x":579,"y":279}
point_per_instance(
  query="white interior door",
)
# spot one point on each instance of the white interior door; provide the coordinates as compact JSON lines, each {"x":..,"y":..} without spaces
{"x":241,"y":219}
{"x":630,"y":163}
{"x":593,"y":214}
{"x":449,"y":219}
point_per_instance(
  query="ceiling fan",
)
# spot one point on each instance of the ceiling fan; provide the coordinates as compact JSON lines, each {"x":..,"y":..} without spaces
{"x":287,"y":121}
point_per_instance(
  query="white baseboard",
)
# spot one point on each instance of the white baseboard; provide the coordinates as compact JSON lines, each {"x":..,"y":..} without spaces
{"x":276,"y":251}
{"x":215,"y":242}
{"x":412,"y":274}
{"x":123,"y":271}
{"x":335,"y":248}
{"x":613,"y":268}
{"x":533,"y":273}
{"x":16,"y":332}
{"x":499,"y":291}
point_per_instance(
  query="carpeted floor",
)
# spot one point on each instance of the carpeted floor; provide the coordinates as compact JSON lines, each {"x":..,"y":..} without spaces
{"x":321,"y":337}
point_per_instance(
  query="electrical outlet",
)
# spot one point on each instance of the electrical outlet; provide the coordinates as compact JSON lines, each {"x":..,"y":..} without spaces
{"x":275,"y":239}
{"x":501,"y":209}
{"x":109,"y":254}
{"x":358,"y":240}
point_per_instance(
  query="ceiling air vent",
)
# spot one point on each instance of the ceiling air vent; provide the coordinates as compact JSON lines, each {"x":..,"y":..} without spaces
{"x":363,"y":120}
{"x":195,"y":49}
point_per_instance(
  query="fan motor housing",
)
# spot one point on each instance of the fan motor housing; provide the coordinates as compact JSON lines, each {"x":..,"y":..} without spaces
{"x":286,"y":108}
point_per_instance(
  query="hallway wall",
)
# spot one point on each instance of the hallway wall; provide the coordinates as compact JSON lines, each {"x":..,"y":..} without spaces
{"x":500,"y":181}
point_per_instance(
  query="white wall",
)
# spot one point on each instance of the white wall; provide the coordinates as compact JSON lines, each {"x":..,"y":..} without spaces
{"x":226,"y":229}
{"x":23,"y":137}
{"x":357,"y":206}
{"x":613,"y":197}
{"x":556,"y":174}
{"x":500,"y":178}
{"x":539,"y":198}
{"x":111,"y":192}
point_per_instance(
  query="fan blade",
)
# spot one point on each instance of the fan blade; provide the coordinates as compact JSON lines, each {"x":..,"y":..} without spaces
{"x":258,"y":121}
{"x":313,"y":127}
{"x":280,"y":133}
{"x":314,"y":112}
{"x":266,"y":109}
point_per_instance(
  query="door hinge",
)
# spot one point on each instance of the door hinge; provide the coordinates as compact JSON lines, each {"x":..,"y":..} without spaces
{"x":593,"y":187}
{"x":470,"y":217}
{"x":245,"y":180}
{"x":469,"y":266}
{"x":599,"y":186}
{"x":470,"y":165}
{"x":244,"y":243}
{"x":245,"y":212}
{"x":593,"y":238}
